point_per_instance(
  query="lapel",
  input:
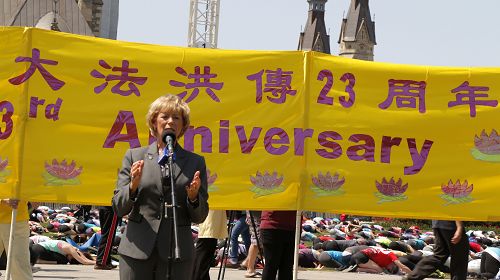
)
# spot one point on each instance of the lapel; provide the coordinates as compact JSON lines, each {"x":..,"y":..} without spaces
{"x":151,"y":163}
{"x":180,"y":160}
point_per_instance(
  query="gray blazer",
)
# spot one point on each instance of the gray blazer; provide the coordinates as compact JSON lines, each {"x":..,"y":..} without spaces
{"x":147,"y":227}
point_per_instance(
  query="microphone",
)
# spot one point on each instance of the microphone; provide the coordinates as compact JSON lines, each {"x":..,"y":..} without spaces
{"x":168,"y":137}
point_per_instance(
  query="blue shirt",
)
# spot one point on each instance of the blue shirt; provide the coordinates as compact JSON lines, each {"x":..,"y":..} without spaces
{"x":337,"y":256}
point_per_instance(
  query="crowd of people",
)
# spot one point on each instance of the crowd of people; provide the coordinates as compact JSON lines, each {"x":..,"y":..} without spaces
{"x":363,"y":246}
{"x":58,"y":236}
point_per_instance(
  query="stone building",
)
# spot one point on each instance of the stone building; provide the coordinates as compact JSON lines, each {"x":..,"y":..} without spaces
{"x":314,"y":37}
{"x":357,"y":33}
{"x":97,"y":18}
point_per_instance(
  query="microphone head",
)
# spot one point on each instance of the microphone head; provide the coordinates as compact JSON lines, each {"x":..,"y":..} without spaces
{"x":168,"y":133}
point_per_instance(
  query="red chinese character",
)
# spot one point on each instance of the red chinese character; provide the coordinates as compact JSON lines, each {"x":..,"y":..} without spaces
{"x":122,"y":78}
{"x":200,"y":80}
{"x":278,"y":83}
{"x":470,"y":98}
{"x":36,"y":63}
{"x":406,"y":93}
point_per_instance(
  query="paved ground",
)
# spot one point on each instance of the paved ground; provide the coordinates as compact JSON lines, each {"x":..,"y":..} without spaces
{"x":69,"y":272}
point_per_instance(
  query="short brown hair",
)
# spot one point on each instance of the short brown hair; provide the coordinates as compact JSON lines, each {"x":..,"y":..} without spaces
{"x":168,"y":103}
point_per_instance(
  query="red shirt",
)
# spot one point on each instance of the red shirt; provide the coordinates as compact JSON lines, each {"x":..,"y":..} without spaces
{"x":324,"y":238}
{"x":475,"y":247}
{"x":284,"y":220}
{"x":380,"y":256}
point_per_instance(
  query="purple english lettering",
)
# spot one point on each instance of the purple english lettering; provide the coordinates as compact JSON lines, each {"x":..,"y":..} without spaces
{"x":368,"y":148}
{"x":247,"y":145}
{"x":224,"y":136}
{"x":34,"y":103}
{"x":418,"y":158}
{"x":124,"y":118}
{"x":385,"y":150}
{"x":335,"y":149}
{"x":299,"y":139}
{"x":52,"y":110}
{"x":206,"y":138}
{"x":269,"y":141}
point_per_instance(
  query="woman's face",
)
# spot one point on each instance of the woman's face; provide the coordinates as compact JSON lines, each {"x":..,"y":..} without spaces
{"x":169,"y":121}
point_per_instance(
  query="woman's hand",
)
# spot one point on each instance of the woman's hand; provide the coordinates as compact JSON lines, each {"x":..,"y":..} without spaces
{"x":458,"y":233}
{"x":456,"y":237}
{"x":192,"y":189}
{"x":135,"y":175}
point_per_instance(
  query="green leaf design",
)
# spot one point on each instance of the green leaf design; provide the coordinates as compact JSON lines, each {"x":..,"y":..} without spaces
{"x":321,"y":192}
{"x":3,"y":174}
{"x":484,"y":157}
{"x":212,"y":188}
{"x":54,"y":181}
{"x":386,"y":198}
{"x":263,"y":192}
{"x":455,"y":200}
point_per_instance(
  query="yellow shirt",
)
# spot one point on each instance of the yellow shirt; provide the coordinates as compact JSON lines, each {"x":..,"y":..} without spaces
{"x":6,"y":212}
{"x":214,"y":226}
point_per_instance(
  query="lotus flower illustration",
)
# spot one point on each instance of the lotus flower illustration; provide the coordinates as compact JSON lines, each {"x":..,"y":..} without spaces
{"x":3,"y":170}
{"x":457,"y":192}
{"x":58,"y":174}
{"x":266,"y":184}
{"x":487,"y":147}
{"x":391,"y":190}
{"x":328,"y":185}
{"x":211,"y":180}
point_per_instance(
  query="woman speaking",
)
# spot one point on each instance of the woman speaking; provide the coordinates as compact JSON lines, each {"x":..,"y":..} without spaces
{"x":143,"y":188}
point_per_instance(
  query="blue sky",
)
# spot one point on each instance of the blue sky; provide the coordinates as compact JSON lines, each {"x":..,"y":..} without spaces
{"x":424,"y":32}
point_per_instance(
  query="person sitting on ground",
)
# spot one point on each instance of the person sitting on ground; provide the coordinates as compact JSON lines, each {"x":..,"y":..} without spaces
{"x":91,"y":242}
{"x":334,"y":259}
{"x":62,"y":248}
{"x":342,"y":245}
{"x":309,"y":258}
{"x":490,"y":263}
{"x":36,"y":228}
{"x":401,"y":246}
{"x":417,"y":244}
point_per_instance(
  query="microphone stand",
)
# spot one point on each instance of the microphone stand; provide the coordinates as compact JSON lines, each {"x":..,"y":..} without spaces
{"x":173,"y":205}
{"x":230,"y":225}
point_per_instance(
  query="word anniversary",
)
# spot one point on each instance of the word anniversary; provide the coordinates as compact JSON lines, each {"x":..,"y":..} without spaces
{"x":277,"y":141}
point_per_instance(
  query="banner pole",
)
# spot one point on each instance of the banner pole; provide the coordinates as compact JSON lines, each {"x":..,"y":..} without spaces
{"x":298,"y":227}
{"x":11,"y":238}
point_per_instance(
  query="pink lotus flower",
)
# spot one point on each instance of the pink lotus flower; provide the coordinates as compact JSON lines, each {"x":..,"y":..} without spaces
{"x":391,"y":188}
{"x":211,"y":178}
{"x":63,"y":170}
{"x":457,"y":189}
{"x":266,"y":181}
{"x":328,"y":182}
{"x":3,"y":164}
{"x":488,"y":144}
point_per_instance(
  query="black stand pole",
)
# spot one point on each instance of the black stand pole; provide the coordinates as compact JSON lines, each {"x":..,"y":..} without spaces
{"x":225,"y":250}
{"x":173,"y":205}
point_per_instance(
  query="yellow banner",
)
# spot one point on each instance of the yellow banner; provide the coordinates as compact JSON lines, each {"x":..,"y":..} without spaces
{"x":279,"y":130}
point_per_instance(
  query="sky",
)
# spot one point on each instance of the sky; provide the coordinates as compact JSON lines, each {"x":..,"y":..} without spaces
{"x":423,"y":32}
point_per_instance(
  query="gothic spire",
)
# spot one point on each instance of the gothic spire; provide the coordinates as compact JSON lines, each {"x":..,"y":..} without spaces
{"x":357,"y":34}
{"x":315,"y":37}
